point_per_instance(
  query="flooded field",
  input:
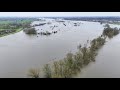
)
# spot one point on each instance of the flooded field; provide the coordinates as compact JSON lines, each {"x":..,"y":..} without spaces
{"x":107,"y":62}
{"x":19,"y":52}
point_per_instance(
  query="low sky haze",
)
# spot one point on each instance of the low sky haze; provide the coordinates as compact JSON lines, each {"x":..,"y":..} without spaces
{"x":57,"y":14}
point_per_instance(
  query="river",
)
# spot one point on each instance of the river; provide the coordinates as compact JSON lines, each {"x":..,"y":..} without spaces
{"x":107,"y":62}
{"x":20,"y":52}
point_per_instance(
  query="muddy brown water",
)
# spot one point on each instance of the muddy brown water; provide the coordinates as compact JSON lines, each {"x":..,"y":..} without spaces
{"x":20,"y":52}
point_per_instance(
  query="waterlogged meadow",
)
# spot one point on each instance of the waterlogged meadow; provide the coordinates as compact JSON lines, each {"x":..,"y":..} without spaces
{"x":72,"y":64}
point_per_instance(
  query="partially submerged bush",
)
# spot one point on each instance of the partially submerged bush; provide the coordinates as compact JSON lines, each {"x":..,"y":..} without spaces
{"x":110,"y":32}
{"x":97,"y":43}
{"x":30,"y":31}
{"x":47,"y":71}
{"x":56,"y":70}
{"x":34,"y":73}
{"x":45,"y":33}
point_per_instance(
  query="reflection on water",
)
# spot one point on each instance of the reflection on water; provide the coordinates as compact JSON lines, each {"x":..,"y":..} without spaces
{"x":20,"y":52}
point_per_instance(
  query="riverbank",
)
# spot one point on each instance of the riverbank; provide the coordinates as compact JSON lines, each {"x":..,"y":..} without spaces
{"x":5,"y":34}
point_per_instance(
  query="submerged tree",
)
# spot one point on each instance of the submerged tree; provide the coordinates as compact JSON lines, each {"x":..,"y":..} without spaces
{"x":110,"y":32}
{"x":34,"y":73}
{"x":107,"y":26}
{"x":47,"y":71}
{"x":30,"y":31}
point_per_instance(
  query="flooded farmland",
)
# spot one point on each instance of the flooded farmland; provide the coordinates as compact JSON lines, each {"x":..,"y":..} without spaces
{"x":19,"y":52}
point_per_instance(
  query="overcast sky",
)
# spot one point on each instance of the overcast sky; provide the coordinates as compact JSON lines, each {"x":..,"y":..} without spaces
{"x":44,"y":14}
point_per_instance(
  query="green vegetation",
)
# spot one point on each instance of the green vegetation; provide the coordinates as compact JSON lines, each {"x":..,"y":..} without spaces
{"x":13,"y":25}
{"x":114,"y":22}
{"x":30,"y":31}
{"x":73,"y":63}
{"x":47,"y":71}
{"x":34,"y":73}
{"x":7,"y":32}
{"x":110,"y":32}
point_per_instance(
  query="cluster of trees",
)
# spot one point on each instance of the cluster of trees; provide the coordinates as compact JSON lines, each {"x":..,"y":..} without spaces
{"x":110,"y":32}
{"x":30,"y":31}
{"x":33,"y":31}
{"x":97,"y":19}
{"x":73,"y":63}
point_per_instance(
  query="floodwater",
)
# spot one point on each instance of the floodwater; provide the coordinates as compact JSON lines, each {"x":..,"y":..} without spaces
{"x":107,"y":63}
{"x":20,"y":52}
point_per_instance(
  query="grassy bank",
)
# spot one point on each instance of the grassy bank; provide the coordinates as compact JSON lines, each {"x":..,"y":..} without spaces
{"x":13,"y":25}
{"x":15,"y":31}
{"x":73,"y":63}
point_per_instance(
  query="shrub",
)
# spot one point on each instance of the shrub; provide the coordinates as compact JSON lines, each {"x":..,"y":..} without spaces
{"x":34,"y":73}
{"x":110,"y":32}
{"x":47,"y":71}
{"x":30,"y":31}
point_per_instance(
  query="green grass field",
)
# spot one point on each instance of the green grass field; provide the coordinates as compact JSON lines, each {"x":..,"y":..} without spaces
{"x":17,"y":30}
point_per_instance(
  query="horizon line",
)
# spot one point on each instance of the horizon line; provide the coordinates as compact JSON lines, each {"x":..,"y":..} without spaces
{"x":59,"y":16}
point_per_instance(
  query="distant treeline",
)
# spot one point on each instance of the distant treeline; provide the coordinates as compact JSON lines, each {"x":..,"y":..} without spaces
{"x":16,"y":18}
{"x":89,"y":18}
{"x":93,"y":18}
